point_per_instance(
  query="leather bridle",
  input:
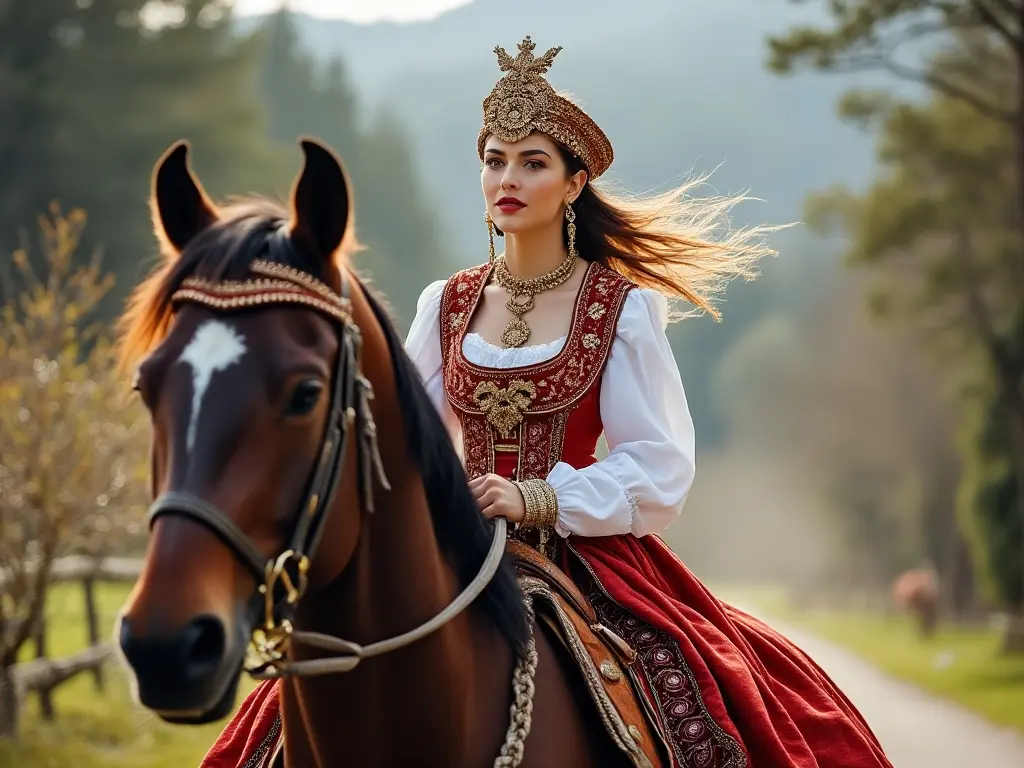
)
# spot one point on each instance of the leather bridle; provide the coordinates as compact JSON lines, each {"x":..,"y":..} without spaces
{"x":282,"y":579}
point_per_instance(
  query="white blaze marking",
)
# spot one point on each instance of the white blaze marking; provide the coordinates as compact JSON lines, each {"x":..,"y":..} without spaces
{"x":215,"y":346}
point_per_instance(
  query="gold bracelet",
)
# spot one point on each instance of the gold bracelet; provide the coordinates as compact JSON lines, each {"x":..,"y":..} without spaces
{"x":540,"y":502}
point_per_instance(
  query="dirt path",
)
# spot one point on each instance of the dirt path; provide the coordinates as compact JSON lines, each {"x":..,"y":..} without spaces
{"x":916,"y":729}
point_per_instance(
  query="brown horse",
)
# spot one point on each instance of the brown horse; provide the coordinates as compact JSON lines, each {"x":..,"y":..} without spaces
{"x":917,"y":592}
{"x":253,"y":402}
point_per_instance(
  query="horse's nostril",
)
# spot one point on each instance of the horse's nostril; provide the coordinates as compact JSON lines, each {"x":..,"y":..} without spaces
{"x":204,"y":646}
{"x":185,"y":671}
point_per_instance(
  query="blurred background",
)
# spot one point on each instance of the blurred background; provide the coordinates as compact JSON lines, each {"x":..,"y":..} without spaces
{"x":859,"y":411}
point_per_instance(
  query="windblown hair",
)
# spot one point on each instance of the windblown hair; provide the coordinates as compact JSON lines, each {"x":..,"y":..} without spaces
{"x":674,"y":243}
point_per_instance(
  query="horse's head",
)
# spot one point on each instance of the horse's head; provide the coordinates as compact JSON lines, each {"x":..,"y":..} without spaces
{"x":250,"y":374}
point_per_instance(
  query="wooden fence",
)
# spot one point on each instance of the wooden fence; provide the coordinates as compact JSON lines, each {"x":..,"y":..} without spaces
{"x":43,"y":674}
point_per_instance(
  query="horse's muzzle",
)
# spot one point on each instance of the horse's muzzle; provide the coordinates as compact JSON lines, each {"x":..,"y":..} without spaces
{"x":190,"y":676}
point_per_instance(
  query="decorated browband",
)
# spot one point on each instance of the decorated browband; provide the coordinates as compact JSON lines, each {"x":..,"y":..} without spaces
{"x":278,"y":284}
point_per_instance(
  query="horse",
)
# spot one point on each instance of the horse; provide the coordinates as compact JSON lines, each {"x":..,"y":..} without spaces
{"x":917,"y":592}
{"x":305,"y":489}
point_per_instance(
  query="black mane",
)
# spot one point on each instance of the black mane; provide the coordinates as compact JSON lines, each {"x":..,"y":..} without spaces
{"x":248,"y":231}
{"x":463,"y":533}
{"x":253,"y":230}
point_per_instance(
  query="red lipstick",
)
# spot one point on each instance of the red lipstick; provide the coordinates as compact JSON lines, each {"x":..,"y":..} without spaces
{"x":510,"y":204}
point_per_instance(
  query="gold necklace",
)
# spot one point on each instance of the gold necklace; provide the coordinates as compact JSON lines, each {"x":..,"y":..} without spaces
{"x":517,"y":331}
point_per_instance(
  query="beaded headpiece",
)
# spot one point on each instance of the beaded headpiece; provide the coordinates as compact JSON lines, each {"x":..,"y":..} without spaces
{"x":276,"y":284}
{"x":523,"y":101}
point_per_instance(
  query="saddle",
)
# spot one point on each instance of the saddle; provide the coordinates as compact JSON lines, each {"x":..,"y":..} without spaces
{"x":603,"y":658}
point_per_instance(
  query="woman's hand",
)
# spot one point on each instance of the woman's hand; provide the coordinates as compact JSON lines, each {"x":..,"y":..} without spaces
{"x":498,"y":497}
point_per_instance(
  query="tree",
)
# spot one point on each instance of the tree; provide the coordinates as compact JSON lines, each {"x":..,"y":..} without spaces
{"x":869,"y":34}
{"x":405,"y":245}
{"x":28,"y":120}
{"x":943,"y":225}
{"x":303,"y":96}
{"x":99,"y":89}
{"x":72,"y":444}
{"x":854,"y":419}
{"x":988,"y":492}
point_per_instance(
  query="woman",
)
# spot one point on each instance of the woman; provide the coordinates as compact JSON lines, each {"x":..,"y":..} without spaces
{"x":532,"y":356}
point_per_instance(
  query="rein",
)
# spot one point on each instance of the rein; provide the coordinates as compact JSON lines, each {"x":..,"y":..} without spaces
{"x":356,"y":653}
{"x":283,"y":579}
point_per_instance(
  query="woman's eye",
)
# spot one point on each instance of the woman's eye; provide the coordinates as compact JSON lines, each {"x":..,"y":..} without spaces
{"x":493,"y":163}
{"x":534,"y":165}
{"x":305,"y":397}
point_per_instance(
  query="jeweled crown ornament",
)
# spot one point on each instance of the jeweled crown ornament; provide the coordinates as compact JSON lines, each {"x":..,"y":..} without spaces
{"x":523,"y":101}
{"x":523,"y":94}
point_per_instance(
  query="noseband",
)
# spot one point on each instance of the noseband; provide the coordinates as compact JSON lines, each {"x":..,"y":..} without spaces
{"x":282,"y":580}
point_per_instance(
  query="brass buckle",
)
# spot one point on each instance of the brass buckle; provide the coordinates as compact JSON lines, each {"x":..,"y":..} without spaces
{"x":269,"y":642}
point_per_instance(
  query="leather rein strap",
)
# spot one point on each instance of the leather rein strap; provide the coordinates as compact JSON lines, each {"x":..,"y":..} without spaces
{"x":352,"y":653}
{"x":349,"y":407}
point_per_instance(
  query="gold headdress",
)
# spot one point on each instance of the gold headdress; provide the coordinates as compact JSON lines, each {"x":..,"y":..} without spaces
{"x":523,"y":102}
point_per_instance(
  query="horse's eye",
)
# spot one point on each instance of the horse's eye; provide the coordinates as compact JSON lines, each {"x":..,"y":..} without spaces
{"x":305,"y":397}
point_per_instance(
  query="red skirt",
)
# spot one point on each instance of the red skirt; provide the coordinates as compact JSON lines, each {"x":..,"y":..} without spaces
{"x":731,"y":691}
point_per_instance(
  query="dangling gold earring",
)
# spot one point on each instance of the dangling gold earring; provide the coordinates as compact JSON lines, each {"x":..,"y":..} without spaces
{"x":570,"y":216}
{"x":490,"y":233}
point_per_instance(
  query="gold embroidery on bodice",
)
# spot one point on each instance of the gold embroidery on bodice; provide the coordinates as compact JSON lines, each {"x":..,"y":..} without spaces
{"x":521,"y":412}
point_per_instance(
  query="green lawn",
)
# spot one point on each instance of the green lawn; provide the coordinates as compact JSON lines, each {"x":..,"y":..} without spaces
{"x":98,"y":729}
{"x":963,"y":664}
{"x":108,"y":729}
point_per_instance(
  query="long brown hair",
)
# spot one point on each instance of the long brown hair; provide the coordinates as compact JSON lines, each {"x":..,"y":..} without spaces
{"x":677,"y":244}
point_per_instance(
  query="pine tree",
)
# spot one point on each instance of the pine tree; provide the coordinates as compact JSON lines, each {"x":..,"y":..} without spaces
{"x":942,"y":227}
{"x":118,"y":83}
{"x":29,"y":114}
{"x":403,"y":242}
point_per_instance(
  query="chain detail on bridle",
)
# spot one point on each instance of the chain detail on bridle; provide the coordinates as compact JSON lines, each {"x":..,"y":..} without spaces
{"x":270,"y":641}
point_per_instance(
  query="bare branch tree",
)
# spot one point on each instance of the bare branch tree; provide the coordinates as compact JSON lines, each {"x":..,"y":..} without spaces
{"x":72,"y":444}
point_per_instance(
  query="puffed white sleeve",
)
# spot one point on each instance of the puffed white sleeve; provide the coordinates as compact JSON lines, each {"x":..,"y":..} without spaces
{"x":423,"y":345}
{"x":641,"y":485}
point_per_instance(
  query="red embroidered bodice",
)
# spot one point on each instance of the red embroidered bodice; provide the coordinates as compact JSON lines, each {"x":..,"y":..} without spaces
{"x":520,"y":422}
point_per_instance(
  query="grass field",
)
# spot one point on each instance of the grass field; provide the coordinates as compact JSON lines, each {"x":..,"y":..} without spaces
{"x":94,"y":730}
{"x":109,"y":730}
{"x":963,"y":664}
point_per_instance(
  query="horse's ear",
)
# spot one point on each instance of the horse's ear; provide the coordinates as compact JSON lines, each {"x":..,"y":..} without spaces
{"x":321,"y":200}
{"x":180,"y":207}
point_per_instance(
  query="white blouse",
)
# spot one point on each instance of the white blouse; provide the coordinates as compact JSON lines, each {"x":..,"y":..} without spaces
{"x":641,"y":485}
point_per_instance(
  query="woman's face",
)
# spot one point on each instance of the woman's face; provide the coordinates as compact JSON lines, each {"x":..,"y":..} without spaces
{"x":525,"y":184}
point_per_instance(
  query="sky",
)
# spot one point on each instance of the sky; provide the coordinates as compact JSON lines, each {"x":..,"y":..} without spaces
{"x":360,"y":11}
